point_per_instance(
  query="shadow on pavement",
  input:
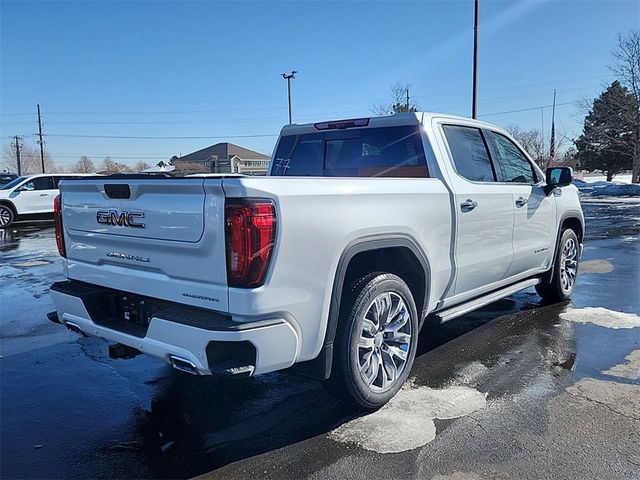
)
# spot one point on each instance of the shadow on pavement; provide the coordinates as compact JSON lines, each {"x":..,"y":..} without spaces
{"x":196,"y":425}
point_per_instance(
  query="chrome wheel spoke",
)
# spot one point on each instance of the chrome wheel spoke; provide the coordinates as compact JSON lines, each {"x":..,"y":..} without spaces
{"x":389,"y":370}
{"x":366,"y":343}
{"x":369,"y":327}
{"x":397,"y":352}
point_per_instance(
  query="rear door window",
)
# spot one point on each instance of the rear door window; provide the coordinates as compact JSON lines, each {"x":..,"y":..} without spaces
{"x":469,"y":151}
{"x":364,"y":152}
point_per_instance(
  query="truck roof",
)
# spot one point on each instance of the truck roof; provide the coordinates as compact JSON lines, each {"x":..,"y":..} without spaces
{"x":411,"y":118}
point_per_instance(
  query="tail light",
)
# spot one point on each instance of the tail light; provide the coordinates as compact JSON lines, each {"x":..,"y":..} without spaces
{"x":250,"y":236}
{"x":57,"y":216}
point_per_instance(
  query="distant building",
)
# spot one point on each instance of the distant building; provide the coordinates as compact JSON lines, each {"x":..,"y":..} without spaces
{"x":224,"y":158}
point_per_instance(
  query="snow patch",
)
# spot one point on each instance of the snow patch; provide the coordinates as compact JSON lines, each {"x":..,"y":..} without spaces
{"x":608,"y":189}
{"x":406,"y":422}
{"x":595,"y":266}
{"x":630,"y":369}
{"x":602,"y":317}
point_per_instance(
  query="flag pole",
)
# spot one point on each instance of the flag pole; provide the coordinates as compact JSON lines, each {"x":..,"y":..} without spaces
{"x":552,"y":148}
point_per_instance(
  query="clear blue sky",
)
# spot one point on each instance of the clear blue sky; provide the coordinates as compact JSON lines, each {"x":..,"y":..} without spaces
{"x":212,"y":69}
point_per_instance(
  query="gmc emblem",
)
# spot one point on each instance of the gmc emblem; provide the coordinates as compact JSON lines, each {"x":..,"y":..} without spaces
{"x":120,"y":219}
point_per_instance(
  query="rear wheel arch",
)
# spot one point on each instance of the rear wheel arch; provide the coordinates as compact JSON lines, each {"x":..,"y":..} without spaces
{"x":9,"y":204}
{"x":8,"y":217}
{"x":397,"y":254}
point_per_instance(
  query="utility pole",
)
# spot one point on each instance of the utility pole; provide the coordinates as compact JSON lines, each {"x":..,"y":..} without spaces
{"x":474,"y":104}
{"x":288,"y":78}
{"x":41,"y":142}
{"x":408,"y":100}
{"x":17,"y":146}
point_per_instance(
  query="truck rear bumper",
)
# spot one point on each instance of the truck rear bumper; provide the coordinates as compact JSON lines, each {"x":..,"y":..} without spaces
{"x":204,"y":341}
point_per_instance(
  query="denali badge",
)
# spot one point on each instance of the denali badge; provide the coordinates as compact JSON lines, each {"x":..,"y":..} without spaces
{"x":121,"y":219}
{"x":126,"y":256}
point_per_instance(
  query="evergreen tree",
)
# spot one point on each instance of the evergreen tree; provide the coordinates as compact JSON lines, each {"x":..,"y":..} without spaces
{"x":607,"y":139}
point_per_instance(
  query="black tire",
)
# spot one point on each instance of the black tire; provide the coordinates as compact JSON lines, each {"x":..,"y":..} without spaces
{"x":560,"y":285}
{"x":370,"y":296}
{"x":7,"y":215}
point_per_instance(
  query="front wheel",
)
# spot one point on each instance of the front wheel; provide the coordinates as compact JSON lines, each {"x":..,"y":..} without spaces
{"x":375,"y":341}
{"x":6,"y":216}
{"x":565,"y":270}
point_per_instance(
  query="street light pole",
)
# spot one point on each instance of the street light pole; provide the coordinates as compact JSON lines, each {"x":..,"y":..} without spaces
{"x":288,"y":78}
{"x":474,"y":104}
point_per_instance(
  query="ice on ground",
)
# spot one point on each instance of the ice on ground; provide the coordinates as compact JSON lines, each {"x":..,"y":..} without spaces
{"x":595,"y":266}
{"x":608,"y":189}
{"x":406,"y":422}
{"x":619,"y":397}
{"x":602,"y":317}
{"x":630,"y":369}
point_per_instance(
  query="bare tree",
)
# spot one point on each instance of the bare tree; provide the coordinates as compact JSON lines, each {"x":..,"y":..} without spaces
{"x":84,"y":165}
{"x":627,"y":67}
{"x":533,"y":142}
{"x":140,"y":166}
{"x":398,"y":92}
{"x":109,"y":167}
{"x":29,"y":160}
{"x":186,"y":168}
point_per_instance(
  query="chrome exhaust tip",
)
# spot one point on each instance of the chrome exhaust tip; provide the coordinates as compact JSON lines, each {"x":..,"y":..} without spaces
{"x":183,"y":365}
{"x":75,"y":328}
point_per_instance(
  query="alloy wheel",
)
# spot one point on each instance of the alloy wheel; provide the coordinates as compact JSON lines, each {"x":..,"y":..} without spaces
{"x":384,"y":342}
{"x":569,"y":265}
{"x":5,"y":216}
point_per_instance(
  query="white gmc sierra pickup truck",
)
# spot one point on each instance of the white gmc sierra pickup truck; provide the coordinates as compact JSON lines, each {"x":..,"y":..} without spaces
{"x":364,"y":232}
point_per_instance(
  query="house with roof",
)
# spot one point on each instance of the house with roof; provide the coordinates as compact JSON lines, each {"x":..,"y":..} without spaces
{"x":223,"y":158}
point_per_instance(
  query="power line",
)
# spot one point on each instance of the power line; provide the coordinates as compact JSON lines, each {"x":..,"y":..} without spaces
{"x":162,"y":137}
{"x":575,"y":102}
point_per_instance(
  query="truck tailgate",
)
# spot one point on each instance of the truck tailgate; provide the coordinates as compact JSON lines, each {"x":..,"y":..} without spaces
{"x":160,"y":237}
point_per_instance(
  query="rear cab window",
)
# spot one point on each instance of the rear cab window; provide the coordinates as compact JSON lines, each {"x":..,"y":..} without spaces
{"x":359,"y":152}
{"x":469,"y":153}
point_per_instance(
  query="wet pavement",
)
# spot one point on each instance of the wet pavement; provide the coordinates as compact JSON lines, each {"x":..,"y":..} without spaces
{"x":513,"y":390}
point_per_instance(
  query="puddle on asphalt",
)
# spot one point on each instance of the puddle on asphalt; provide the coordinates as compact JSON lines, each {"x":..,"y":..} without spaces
{"x":407,"y":421}
{"x":602,"y":317}
{"x":630,"y":369}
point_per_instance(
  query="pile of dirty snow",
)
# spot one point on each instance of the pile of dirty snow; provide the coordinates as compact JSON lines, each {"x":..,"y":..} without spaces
{"x":607,"y":189}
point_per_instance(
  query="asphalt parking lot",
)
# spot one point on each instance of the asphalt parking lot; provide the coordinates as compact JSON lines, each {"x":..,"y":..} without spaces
{"x":515,"y":390}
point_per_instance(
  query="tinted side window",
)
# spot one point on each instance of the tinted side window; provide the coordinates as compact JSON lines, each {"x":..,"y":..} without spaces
{"x":469,"y":153}
{"x":44,"y":183}
{"x":40,"y":183}
{"x":512,"y":164}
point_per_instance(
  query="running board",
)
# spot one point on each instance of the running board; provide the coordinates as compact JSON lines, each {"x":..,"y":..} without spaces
{"x":464,"y":308}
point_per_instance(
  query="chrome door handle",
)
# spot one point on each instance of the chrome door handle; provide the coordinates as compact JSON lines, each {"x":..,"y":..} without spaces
{"x":521,"y":202}
{"x":468,"y":205}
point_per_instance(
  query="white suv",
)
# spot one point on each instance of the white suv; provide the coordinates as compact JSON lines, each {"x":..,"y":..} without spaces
{"x":29,"y":196}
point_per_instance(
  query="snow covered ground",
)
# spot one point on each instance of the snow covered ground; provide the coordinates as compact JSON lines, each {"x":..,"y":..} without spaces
{"x":625,"y":178}
{"x":597,"y":186}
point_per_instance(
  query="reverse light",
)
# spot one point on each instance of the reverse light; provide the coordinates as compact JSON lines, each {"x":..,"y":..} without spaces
{"x":250,"y":236}
{"x":342,"y":124}
{"x":57,"y":216}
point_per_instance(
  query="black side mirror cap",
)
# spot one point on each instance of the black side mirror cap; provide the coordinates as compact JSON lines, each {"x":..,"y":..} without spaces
{"x":558,"y":177}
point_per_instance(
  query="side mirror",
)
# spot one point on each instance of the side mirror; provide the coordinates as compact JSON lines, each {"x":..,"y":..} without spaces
{"x":558,"y":177}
